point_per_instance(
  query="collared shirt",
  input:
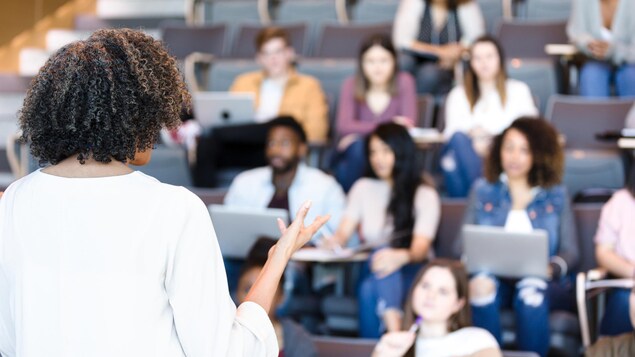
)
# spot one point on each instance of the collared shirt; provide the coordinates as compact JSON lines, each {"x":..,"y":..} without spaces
{"x":254,"y":188}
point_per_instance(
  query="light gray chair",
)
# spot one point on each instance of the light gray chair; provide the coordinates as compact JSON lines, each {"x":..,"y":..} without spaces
{"x":374,"y":11}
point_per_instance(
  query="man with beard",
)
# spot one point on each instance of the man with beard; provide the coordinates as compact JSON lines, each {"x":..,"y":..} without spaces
{"x":287,"y":181}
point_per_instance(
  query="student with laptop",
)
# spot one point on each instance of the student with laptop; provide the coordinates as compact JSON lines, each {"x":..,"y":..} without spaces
{"x":278,"y":89}
{"x":286,"y":182}
{"x":522,"y":191}
{"x":393,"y":209}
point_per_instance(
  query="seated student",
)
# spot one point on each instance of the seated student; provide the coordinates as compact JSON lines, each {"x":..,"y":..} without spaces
{"x":442,"y":28}
{"x":482,"y":107}
{"x":286,"y":183}
{"x":438,"y":304}
{"x":523,"y":191}
{"x":393,"y":209}
{"x":279,"y":90}
{"x":618,"y":346}
{"x":378,"y":93}
{"x":604,"y":31}
{"x":293,"y":340}
{"x":615,"y":252}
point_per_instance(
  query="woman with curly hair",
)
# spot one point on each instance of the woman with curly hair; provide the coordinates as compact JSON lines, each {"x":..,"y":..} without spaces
{"x":522,"y":191}
{"x":99,"y":260}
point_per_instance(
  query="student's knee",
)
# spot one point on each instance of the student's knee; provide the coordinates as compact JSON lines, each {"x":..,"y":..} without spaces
{"x":482,"y":290}
{"x":532,"y":292}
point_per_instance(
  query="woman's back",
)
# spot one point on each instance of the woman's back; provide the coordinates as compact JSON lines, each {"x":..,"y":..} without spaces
{"x":101,"y":266}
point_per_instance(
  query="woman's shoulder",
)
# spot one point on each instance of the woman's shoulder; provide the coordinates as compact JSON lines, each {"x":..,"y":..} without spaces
{"x":427,"y":191}
{"x":621,"y":197}
{"x":456,"y":94}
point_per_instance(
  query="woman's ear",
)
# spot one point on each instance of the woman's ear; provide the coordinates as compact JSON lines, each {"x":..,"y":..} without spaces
{"x":460,"y":303}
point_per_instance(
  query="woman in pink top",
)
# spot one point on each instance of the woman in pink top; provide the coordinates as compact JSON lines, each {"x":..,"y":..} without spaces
{"x":378,"y":93}
{"x":615,"y":252}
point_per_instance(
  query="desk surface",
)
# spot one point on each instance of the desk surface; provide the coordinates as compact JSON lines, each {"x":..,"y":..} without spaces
{"x":318,"y":255}
{"x":626,"y":143}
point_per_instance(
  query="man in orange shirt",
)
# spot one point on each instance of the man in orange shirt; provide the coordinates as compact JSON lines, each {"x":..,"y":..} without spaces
{"x":279,"y":91}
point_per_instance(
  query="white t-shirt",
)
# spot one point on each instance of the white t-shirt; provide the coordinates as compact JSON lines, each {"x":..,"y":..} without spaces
{"x":117,"y":266}
{"x":368,"y":201}
{"x":489,"y":112}
{"x":463,"y":342}
{"x":271,"y":93}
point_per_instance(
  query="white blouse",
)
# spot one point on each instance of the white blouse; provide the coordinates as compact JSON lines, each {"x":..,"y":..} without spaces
{"x":117,"y":266}
{"x":463,"y":342}
{"x":489,"y":112}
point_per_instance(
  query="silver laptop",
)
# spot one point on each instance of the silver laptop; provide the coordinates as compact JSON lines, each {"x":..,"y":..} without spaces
{"x":223,"y":108}
{"x":237,"y":228}
{"x":506,"y":254}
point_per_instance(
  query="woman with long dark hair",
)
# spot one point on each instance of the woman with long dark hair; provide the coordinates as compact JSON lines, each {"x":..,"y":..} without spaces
{"x":377,"y":93}
{"x":437,"y":319}
{"x":395,"y":211}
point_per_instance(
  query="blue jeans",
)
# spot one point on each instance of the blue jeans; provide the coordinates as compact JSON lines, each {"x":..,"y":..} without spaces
{"x":375,"y":295}
{"x":350,"y":164}
{"x":531,"y":303}
{"x":616,"y":318}
{"x":596,"y":78}
{"x":460,"y":164}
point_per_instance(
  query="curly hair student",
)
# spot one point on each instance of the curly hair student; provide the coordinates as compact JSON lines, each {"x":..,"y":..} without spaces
{"x":522,"y":191}
{"x":99,"y":260}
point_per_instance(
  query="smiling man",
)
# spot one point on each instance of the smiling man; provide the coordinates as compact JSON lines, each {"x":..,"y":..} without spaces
{"x":287,"y":182}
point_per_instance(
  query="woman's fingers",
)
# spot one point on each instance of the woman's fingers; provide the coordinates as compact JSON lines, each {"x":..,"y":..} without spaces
{"x":281,"y":226}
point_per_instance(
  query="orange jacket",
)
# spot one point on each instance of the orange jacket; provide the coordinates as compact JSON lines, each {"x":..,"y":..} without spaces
{"x":303,"y":99}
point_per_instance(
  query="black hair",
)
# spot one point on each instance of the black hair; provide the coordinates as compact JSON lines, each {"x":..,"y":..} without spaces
{"x":290,"y":123}
{"x":406,"y":176}
{"x":104,"y":98}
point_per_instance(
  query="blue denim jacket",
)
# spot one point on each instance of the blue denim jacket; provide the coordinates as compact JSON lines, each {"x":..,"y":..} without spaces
{"x":490,"y":203}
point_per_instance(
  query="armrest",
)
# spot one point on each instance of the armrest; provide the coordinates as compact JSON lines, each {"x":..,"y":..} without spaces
{"x":597,"y":274}
{"x":191,"y":61}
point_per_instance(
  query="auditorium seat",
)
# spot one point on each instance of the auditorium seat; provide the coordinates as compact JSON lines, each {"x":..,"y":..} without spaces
{"x":587,"y":216}
{"x":492,"y":11}
{"x":343,"y":346}
{"x":579,"y":119}
{"x":547,"y":9}
{"x":223,"y":72}
{"x":244,"y":42}
{"x":182,"y":40}
{"x":538,"y":74}
{"x":89,"y":22}
{"x":590,"y":163}
{"x":168,"y":165}
{"x":315,"y":13}
{"x":330,"y":72}
{"x":344,"y":41}
{"x":233,"y":13}
{"x":527,"y":39}
{"x":374,"y":11}
{"x":425,"y":104}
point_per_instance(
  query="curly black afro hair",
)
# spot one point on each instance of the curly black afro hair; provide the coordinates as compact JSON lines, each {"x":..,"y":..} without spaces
{"x":104,"y":98}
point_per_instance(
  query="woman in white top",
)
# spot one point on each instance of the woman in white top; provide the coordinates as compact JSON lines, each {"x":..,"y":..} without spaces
{"x":437,"y":318}
{"x":604,"y":31}
{"x":433,"y":34}
{"x":482,"y":107}
{"x":99,"y":260}
{"x":396,"y":213}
